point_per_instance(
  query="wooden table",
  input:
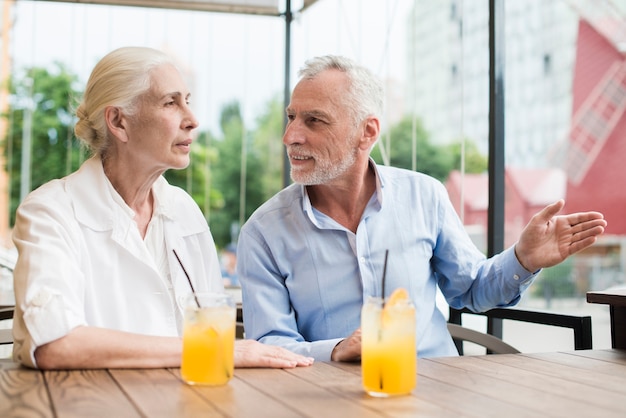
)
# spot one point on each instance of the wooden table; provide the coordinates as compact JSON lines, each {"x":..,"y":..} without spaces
{"x":616,"y":299}
{"x":584,"y":383}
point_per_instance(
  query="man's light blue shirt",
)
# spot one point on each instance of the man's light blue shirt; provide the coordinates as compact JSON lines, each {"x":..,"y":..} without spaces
{"x":305,"y":277}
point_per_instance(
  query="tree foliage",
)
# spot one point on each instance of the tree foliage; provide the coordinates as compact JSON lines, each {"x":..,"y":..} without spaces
{"x":269,"y":145}
{"x":196,"y":178}
{"x":227,"y":173}
{"x":429,"y":159}
{"x":436,"y":161}
{"x":214,"y":177}
{"x":475,"y":162}
{"x":49,"y":96}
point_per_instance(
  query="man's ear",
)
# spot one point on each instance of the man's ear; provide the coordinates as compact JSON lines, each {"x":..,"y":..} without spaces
{"x":371,"y":130}
{"x":115,"y":122}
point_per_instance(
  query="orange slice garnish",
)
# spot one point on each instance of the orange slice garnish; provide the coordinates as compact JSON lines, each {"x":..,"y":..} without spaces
{"x":400,"y":295}
{"x":395,"y":304}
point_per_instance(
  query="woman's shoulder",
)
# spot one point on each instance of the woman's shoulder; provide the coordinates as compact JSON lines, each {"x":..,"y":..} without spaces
{"x":51,"y":192}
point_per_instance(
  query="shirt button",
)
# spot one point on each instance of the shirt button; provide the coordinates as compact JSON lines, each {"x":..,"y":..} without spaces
{"x":41,"y":298}
{"x":362,"y":259}
{"x":516,"y":276}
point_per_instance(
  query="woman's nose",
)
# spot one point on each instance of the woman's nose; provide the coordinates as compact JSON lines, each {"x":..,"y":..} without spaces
{"x":190,"y":121}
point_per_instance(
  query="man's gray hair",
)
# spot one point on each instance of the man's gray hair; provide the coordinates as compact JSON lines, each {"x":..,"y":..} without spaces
{"x":366,"y":93}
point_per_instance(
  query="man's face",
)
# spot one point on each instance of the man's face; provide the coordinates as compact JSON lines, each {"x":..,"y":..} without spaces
{"x":321,"y":136}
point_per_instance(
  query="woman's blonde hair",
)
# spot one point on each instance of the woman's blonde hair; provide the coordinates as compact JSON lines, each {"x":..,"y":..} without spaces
{"x":118,"y":79}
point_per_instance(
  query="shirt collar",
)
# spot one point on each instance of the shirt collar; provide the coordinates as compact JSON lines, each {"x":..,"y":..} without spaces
{"x":378,"y":195}
{"x":96,"y":201}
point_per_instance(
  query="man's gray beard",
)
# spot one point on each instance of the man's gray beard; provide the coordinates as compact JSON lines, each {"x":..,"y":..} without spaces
{"x":323,"y":175}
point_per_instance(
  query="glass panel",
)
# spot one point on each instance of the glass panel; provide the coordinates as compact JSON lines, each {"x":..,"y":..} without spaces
{"x":565,"y":93}
{"x":565,"y":129}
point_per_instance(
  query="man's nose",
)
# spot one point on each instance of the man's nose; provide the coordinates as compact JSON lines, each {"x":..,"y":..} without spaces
{"x":294,"y":134}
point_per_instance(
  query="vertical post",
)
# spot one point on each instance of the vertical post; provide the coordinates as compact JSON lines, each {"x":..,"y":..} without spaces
{"x":6,"y":32}
{"x":27,"y":131}
{"x":495,"y":220}
{"x":287,"y":90}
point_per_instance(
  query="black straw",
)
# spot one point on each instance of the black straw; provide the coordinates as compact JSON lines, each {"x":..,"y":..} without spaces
{"x":188,"y":279}
{"x":385,"y":274}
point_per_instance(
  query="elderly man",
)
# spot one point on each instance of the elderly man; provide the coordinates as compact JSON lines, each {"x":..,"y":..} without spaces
{"x":312,"y":254}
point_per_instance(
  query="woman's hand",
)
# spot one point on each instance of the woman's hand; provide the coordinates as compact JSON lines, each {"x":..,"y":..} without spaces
{"x":251,"y":353}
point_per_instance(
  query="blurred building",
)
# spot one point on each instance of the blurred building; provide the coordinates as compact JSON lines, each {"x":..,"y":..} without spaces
{"x":448,"y":73}
{"x":528,"y":190}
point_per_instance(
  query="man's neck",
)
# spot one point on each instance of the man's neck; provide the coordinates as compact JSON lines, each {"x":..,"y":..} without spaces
{"x":345,"y":201}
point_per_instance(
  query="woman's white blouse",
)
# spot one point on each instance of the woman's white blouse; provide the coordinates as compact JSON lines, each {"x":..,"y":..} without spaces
{"x":82,"y":261}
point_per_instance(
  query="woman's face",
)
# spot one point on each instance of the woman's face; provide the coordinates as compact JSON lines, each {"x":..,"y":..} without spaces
{"x":160,"y":133}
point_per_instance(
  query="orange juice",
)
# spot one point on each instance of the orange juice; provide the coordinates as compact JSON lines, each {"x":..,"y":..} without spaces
{"x":388,"y":352}
{"x":209,"y":341}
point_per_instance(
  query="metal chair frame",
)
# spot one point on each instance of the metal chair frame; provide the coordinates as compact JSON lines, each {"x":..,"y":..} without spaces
{"x":581,"y":325}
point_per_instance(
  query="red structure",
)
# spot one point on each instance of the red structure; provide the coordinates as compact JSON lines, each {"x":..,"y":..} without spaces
{"x":527,"y":192}
{"x":589,"y":165}
{"x":594,"y":153}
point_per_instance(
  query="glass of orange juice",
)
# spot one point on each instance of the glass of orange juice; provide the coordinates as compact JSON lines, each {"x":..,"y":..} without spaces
{"x":208,"y":339}
{"x":388,"y":351}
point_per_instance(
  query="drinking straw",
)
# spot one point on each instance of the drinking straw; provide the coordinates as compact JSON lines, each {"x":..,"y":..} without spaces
{"x":385,"y":274}
{"x":188,"y":279}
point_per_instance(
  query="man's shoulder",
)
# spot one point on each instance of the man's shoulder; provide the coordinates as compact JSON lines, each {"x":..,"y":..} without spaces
{"x":397,"y":174}
{"x":279,"y":204}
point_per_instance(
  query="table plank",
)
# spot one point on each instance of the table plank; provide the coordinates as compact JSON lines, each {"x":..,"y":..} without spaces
{"x":570,"y":384}
{"x":241,"y":400}
{"x":616,"y":356}
{"x":87,"y":393}
{"x":23,"y":392}
{"x":512,"y":385}
{"x":581,"y":360}
{"x":344,"y":380}
{"x":467,"y":403}
{"x":161,"y":393}
{"x":564,"y":381}
{"x":616,"y":299}
{"x":305,"y":398}
{"x":614,"y":296}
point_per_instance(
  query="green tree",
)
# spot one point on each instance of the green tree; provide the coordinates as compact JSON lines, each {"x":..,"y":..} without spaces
{"x":227,"y":172}
{"x":48,"y":95}
{"x":436,"y":161}
{"x":196,"y":178}
{"x":475,"y":162}
{"x":429,"y":158}
{"x":269,"y":146}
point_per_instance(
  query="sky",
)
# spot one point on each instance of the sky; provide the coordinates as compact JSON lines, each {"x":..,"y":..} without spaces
{"x":230,"y":57}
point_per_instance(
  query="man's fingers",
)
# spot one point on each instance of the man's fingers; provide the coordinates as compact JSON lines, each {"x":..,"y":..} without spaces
{"x":550,"y":211}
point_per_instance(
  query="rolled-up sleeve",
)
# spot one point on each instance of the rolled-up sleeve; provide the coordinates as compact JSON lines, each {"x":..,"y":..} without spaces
{"x":46,"y":277}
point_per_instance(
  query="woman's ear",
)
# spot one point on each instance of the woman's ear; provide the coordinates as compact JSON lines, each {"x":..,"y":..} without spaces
{"x":115,"y":122}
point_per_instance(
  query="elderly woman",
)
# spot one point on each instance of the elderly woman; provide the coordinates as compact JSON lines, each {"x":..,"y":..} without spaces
{"x":97,"y":283}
